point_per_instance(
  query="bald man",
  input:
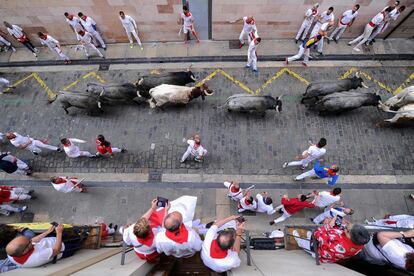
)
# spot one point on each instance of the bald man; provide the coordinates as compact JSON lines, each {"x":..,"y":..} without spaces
{"x":176,"y":239}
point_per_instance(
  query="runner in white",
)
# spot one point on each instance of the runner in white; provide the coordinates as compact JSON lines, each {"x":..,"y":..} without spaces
{"x":72,"y":150}
{"x":187,"y":21}
{"x":315,"y":151}
{"x":251,"y":54}
{"x":66,"y":184}
{"x":194,"y":149}
{"x":325,"y":17}
{"x":235,"y":191}
{"x":249,"y":30}
{"x":221,"y":246}
{"x":345,"y":21}
{"x":331,"y":213}
{"x":26,"y":142}
{"x":307,"y":22}
{"x":324,"y":199}
{"x":75,"y":24}
{"x":369,"y":28}
{"x":131,"y":28}
{"x":247,"y":203}
{"x":86,"y":41}
{"x":53,"y":45}
{"x":90,"y":26}
{"x":398,"y":221}
{"x":264,"y":204}
{"x":393,"y":16}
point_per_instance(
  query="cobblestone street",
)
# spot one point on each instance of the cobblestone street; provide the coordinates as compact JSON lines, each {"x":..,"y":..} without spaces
{"x":237,"y":143}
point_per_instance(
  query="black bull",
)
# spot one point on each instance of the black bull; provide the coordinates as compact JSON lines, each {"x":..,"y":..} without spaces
{"x":316,"y":90}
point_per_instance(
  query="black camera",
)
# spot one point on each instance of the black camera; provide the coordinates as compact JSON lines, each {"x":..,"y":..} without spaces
{"x":161,"y":201}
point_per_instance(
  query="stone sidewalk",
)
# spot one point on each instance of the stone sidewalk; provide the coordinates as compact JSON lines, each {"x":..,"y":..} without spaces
{"x":209,"y":48}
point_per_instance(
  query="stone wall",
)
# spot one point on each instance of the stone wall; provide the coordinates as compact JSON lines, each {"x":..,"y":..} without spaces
{"x":157,"y":19}
{"x":282,"y":19}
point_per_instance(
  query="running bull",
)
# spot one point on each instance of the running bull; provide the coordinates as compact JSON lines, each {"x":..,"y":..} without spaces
{"x":402,"y":105}
{"x":252,"y":103}
{"x":114,"y":92}
{"x":167,"y":93}
{"x":91,"y":102}
{"x":316,"y":90}
{"x":146,"y":83}
{"x":340,"y":102}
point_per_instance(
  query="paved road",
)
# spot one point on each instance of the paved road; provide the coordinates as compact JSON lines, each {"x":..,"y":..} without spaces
{"x":237,"y":144}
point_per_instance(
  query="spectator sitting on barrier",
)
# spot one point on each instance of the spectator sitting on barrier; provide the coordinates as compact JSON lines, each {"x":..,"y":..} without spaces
{"x":141,"y":235}
{"x":388,"y":248}
{"x":40,"y":250}
{"x":335,"y":244}
{"x":398,"y":221}
{"x":221,"y":246}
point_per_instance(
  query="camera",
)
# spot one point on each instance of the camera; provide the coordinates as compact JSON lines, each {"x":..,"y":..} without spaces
{"x":161,"y":201}
{"x":54,"y":223}
{"x":241,"y":219}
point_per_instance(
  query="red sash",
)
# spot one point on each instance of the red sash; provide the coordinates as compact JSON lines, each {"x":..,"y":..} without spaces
{"x":234,"y":189}
{"x":216,"y":252}
{"x":148,"y":240}
{"x":23,"y":39}
{"x":180,"y":236}
{"x":22,"y":259}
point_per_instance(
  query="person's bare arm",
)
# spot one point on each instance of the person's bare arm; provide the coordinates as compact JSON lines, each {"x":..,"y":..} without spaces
{"x":221,"y":222}
{"x":167,"y":207}
{"x":43,"y":235}
{"x":237,"y":20}
{"x":58,"y":245}
{"x":352,"y":22}
{"x":150,"y":210}
{"x":384,"y":237}
{"x":239,"y":232}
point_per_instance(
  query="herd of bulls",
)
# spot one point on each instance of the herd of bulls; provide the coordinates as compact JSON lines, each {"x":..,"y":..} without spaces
{"x":327,"y":97}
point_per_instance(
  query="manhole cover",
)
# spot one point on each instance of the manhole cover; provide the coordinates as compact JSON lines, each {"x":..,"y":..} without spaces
{"x":154,"y":176}
{"x":123,"y":201}
{"x":104,"y":67}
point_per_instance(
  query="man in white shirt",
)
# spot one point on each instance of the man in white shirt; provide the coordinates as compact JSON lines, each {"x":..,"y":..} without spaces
{"x":25,"y":142}
{"x":251,"y":54}
{"x":312,"y":153}
{"x":325,"y":17}
{"x":72,"y":150}
{"x":331,"y":213}
{"x":38,"y":251}
{"x":249,"y":30}
{"x":235,"y":191}
{"x":393,"y":16}
{"x":86,"y":40}
{"x":66,"y":185}
{"x":187,"y":20}
{"x":376,"y":21}
{"x":387,"y":248}
{"x":221,"y":246}
{"x":345,"y":21}
{"x":247,"y":203}
{"x":307,"y":22}
{"x":18,"y":33}
{"x":11,"y":164}
{"x":53,"y":45}
{"x":176,"y":238}
{"x":74,"y":23}
{"x":324,"y":199}
{"x":194,"y":149}
{"x":264,"y":203}
{"x":130,"y":27}
{"x":90,"y":26}
{"x":398,"y":221}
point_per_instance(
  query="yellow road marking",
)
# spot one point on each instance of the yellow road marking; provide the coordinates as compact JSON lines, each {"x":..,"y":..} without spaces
{"x":404,"y":84}
{"x":84,"y":77}
{"x":242,"y":85}
{"x":51,"y":95}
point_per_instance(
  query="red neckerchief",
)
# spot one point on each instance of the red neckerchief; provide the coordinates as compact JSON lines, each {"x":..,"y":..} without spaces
{"x":180,"y":236}
{"x":60,"y":181}
{"x":156,"y":218}
{"x":246,"y":201}
{"x":147,"y":240}
{"x":233,"y":189}
{"x":196,"y":146}
{"x":216,"y":252}
{"x":187,"y":14}
{"x":331,"y":172}
{"x":314,"y":12}
{"x":22,"y":259}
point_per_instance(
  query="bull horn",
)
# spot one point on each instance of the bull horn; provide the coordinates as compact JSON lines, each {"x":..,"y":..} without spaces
{"x":189,"y":67}
{"x":364,"y":85}
{"x":357,"y":74}
{"x":193,"y":78}
{"x":102,"y":92}
{"x":208,"y":94}
{"x":140,"y":81}
{"x":99,"y":105}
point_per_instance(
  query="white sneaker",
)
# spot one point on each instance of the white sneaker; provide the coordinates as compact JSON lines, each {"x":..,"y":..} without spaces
{"x":35,"y":55}
{"x":131,"y":45}
{"x":22,"y":209}
{"x":295,"y":233}
{"x":356,"y":49}
{"x":121,"y":230}
{"x":285,"y":165}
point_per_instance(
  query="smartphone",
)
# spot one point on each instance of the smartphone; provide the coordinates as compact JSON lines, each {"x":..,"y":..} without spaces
{"x":161,"y":201}
{"x":241,"y":219}
{"x":54,"y":223}
{"x":338,"y":221}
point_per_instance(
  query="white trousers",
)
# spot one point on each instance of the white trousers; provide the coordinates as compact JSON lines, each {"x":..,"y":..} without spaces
{"x":305,"y":243}
{"x":284,"y":216}
{"x":320,"y":45}
{"x":243,"y":36}
{"x":189,"y":152}
{"x":8,"y":208}
{"x":134,"y":33}
{"x":301,"y":52}
{"x":252,"y":59}
{"x":91,"y":46}
{"x":379,"y":29}
{"x":36,"y":146}
{"x":22,"y":167}
{"x":17,"y":194}
{"x":315,"y":29}
{"x":114,"y":150}
{"x":59,"y":52}
{"x":303,"y":30}
{"x":326,"y":214}
{"x":337,"y":33}
{"x":364,"y":37}
{"x":5,"y":41}
{"x":306,"y":174}
{"x":97,"y":36}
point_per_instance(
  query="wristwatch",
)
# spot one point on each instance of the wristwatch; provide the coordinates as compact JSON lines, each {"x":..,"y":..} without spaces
{"x":402,"y":234}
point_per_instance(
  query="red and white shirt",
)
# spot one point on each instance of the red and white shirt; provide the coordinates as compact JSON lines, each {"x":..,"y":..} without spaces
{"x":244,"y":204}
{"x":5,"y":194}
{"x":41,"y":254}
{"x":182,"y":244}
{"x":67,"y":185}
{"x":348,"y":16}
{"x":216,"y":258}
{"x":334,"y":245}
{"x":310,"y":15}
{"x":234,"y":192}
{"x":145,"y":246}
{"x":249,"y":27}
{"x":188,"y":19}
{"x":263,"y":207}
{"x":103,"y":149}
{"x":377,"y":20}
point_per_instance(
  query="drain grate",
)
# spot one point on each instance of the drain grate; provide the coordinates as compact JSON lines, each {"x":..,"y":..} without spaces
{"x":104,"y":67}
{"x":154,"y":176}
